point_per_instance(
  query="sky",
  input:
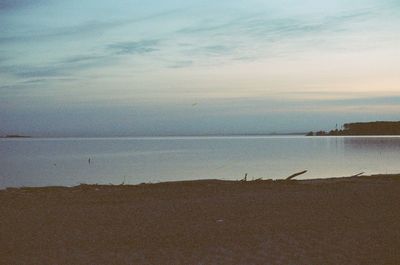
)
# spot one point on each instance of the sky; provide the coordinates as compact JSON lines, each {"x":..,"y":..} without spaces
{"x":191,"y":67}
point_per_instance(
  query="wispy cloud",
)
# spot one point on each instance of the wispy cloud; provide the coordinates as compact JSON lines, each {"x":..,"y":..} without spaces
{"x":4,"y":58}
{"x":257,"y":36}
{"x":26,"y":71}
{"x":62,"y":67}
{"x":266,"y":106}
{"x":6,"y":5}
{"x":215,"y":49}
{"x":263,"y":27}
{"x":181,"y":64}
{"x":83,"y":29}
{"x":135,"y":47}
{"x":362,"y":101}
{"x":68,"y":66}
{"x":85,"y":58}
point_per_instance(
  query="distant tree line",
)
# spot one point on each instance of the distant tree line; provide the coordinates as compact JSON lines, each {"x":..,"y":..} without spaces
{"x":363,"y":128}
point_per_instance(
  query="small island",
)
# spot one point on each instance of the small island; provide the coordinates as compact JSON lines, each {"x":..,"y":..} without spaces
{"x":363,"y":128}
{"x":15,"y":136}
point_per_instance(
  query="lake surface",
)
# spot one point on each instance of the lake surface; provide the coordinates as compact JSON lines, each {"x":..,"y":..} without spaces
{"x":64,"y":161}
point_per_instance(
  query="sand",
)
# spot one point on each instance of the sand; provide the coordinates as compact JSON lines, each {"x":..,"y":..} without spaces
{"x":333,"y":221}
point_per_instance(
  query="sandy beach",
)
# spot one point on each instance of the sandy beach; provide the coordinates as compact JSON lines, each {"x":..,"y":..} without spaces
{"x":329,"y":221}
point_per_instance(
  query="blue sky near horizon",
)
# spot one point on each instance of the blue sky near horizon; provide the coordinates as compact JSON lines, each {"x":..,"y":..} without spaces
{"x":196,"y":67}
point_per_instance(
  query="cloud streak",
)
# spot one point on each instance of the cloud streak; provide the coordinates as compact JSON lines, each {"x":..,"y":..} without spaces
{"x":134,"y":47}
{"x":83,"y":29}
{"x":264,"y":30}
{"x":7,"y":5}
{"x":70,"y":65}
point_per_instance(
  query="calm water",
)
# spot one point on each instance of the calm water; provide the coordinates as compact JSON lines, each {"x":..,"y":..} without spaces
{"x":42,"y":162}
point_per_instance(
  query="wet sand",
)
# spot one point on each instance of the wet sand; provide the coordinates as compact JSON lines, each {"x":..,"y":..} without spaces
{"x":331,"y":221}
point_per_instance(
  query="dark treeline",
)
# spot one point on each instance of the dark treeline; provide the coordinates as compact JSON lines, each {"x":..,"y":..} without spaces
{"x":15,"y":136}
{"x":364,"y":128}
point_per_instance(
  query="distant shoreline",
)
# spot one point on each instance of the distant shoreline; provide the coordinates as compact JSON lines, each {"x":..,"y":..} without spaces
{"x":376,"y":128}
{"x":189,"y":136}
{"x":154,"y":136}
{"x":15,"y":136}
{"x":363,"y":129}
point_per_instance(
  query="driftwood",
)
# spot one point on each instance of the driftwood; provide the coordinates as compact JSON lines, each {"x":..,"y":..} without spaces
{"x":296,"y":174}
{"x":356,"y":175}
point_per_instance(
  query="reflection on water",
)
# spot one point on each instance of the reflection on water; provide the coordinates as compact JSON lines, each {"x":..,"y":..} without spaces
{"x":372,"y":143}
{"x":40,"y":162}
